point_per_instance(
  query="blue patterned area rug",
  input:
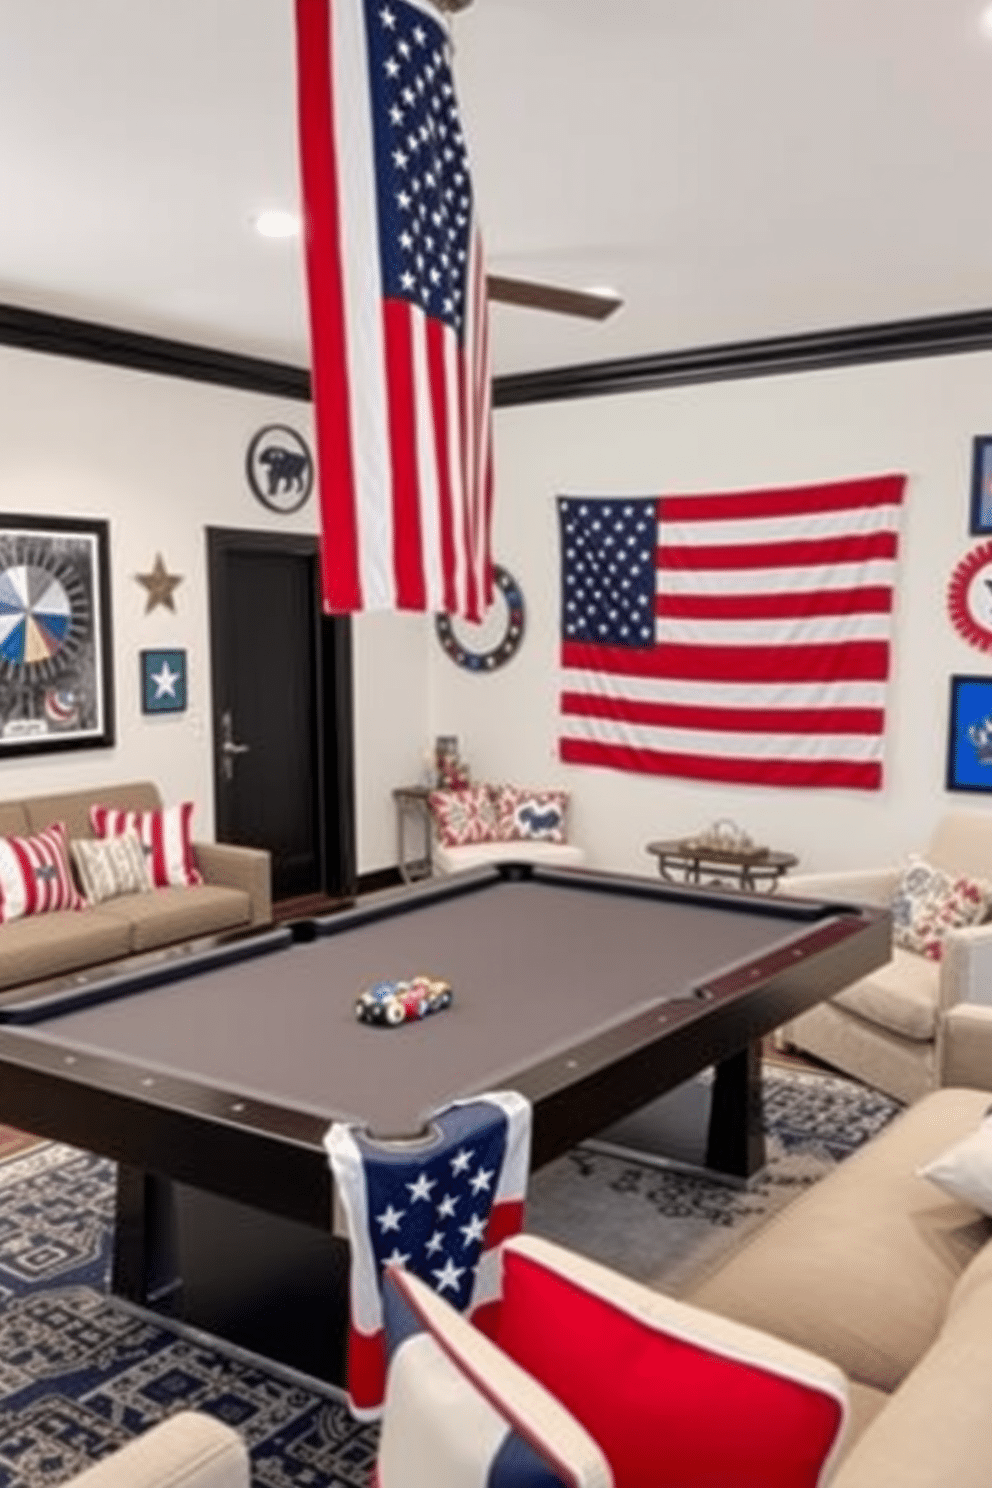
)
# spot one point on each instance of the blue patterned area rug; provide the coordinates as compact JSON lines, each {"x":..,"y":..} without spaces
{"x":669,"y":1228}
{"x":81,"y":1372}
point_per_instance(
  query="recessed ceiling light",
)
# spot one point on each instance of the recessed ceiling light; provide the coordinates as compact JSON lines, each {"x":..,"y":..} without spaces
{"x":277,"y":224}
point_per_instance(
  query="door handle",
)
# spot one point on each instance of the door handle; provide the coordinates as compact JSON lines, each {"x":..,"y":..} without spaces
{"x":228,"y":747}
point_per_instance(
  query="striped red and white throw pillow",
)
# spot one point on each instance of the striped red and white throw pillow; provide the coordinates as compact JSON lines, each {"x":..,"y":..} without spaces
{"x":164,"y":834}
{"x":35,"y":875}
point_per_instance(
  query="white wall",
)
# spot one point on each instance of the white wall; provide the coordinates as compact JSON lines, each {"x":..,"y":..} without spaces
{"x":916,"y":416}
{"x":162,"y":459}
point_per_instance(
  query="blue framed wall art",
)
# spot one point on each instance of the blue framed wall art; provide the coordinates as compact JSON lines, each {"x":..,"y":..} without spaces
{"x":163,"y":681}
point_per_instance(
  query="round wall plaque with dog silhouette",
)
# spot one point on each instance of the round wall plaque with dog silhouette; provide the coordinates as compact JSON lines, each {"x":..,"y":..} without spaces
{"x":279,"y":467}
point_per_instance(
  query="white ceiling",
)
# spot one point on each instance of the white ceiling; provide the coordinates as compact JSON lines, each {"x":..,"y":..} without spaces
{"x":736,"y":168}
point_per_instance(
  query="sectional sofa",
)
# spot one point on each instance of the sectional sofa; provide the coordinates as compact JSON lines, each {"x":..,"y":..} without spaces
{"x":235,"y":893}
{"x":878,"y":1271}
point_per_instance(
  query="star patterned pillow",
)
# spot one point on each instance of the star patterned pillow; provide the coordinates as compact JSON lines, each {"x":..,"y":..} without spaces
{"x":465,"y":816}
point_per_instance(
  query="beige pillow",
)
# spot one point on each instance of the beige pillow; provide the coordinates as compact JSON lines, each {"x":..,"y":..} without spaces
{"x":965,"y":1170}
{"x":110,"y":866}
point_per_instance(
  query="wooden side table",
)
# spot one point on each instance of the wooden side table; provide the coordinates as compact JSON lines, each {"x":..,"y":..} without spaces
{"x":411,"y":802}
{"x":753,"y":871}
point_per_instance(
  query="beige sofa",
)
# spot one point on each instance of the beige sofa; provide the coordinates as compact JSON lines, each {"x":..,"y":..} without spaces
{"x":235,"y":894}
{"x":878,"y":1271}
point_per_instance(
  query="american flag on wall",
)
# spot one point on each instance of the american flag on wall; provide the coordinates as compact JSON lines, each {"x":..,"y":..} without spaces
{"x":441,"y":1212}
{"x":398,"y":314}
{"x":741,"y":638}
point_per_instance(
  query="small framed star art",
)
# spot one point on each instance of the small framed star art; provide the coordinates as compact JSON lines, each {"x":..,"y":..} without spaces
{"x":163,"y":681}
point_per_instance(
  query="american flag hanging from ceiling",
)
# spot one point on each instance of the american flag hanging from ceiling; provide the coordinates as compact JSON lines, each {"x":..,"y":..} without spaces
{"x":398,"y":316}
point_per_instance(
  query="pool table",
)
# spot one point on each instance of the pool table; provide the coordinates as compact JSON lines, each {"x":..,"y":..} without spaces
{"x":211,"y":1074}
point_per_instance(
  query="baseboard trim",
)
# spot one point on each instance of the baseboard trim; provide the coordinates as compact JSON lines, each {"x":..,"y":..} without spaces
{"x":382,"y":878}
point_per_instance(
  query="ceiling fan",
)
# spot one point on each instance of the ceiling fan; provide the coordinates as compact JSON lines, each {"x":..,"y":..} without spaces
{"x":533,"y":294}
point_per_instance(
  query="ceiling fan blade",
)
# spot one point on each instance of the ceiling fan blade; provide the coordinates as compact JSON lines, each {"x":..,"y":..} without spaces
{"x":531,"y":295}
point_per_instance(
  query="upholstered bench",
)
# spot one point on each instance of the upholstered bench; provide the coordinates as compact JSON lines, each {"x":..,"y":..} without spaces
{"x":553,"y":854}
{"x":484,"y":823}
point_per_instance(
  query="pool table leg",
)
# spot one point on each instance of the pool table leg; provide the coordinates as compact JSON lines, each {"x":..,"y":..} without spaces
{"x":274,"y":1286}
{"x":146,"y":1263}
{"x":735,"y":1140}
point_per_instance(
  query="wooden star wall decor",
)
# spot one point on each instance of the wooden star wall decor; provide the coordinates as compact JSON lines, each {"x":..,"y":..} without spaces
{"x":159,"y":584}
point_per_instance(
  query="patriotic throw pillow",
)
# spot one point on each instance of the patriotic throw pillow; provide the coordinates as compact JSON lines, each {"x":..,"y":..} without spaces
{"x":455,"y":1401}
{"x":110,"y":867}
{"x":675,"y":1396}
{"x":529,"y":815}
{"x":35,"y":875}
{"x":928,"y":902}
{"x":464,"y":816}
{"x":164,"y":835}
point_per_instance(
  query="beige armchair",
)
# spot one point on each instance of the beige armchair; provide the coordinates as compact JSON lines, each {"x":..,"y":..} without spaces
{"x":889,"y":1028}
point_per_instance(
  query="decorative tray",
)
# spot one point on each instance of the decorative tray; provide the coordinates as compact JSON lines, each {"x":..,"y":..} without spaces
{"x":723,"y":854}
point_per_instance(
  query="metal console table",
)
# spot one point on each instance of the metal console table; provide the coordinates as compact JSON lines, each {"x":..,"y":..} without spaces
{"x":411,"y":803}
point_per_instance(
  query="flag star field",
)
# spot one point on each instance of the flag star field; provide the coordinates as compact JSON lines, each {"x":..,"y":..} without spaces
{"x":423,"y":179}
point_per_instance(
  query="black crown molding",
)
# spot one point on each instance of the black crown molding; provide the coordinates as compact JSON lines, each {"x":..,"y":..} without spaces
{"x":61,"y":335}
{"x":938,"y":335}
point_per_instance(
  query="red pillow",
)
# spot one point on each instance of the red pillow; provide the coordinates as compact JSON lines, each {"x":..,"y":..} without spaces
{"x":464,"y":816}
{"x":165,"y":836}
{"x":35,"y":875}
{"x":675,"y":1396}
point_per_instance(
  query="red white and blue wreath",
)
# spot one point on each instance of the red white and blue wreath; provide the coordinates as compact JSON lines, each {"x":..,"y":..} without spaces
{"x":969,"y":597}
{"x":497,"y":637}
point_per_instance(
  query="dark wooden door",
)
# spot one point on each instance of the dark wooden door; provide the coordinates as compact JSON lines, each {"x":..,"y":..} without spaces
{"x":281,"y":711}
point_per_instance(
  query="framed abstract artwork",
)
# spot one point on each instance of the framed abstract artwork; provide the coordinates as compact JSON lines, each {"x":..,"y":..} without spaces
{"x":969,"y":735}
{"x":163,"y":681}
{"x":981,"y":484}
{"x":56,"y":658}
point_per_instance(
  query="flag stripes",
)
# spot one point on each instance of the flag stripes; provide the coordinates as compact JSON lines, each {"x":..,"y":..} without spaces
{"x":782,"y":773}
{"x":853,"y":660}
